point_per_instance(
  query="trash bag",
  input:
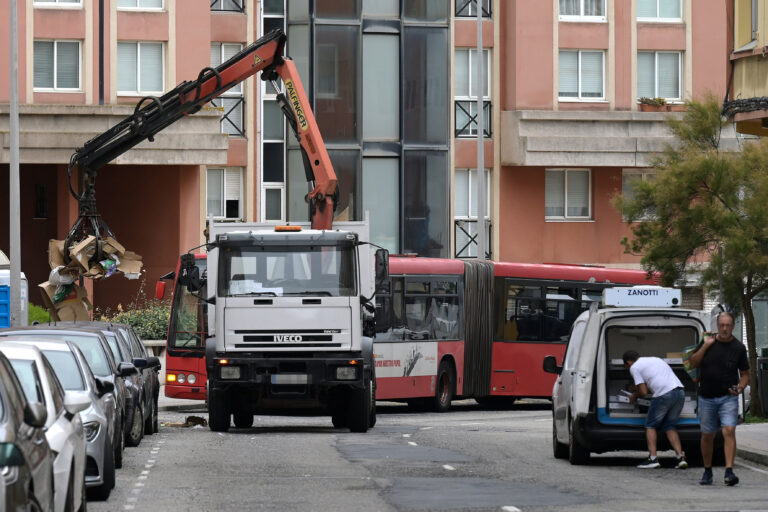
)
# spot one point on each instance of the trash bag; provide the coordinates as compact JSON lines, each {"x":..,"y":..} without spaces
{"x":61,"y":276}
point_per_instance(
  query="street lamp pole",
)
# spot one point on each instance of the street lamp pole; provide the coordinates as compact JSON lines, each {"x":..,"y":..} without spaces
{"x":14,"y":189}
{"x":480,"y":89}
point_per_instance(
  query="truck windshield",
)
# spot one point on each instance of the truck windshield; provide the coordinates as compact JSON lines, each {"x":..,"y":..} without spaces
{"x":291,"y":270}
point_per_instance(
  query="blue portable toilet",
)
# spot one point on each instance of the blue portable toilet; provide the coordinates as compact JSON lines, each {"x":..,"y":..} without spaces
{"x":5,"y":294}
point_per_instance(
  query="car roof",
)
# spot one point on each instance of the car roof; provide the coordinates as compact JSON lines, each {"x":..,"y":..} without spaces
{"x":48,"y":328}
{"x":41,"y":343}
{"x":20,"y":350}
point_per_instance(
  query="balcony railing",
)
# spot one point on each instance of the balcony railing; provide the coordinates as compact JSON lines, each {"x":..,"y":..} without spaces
{"x":232,"y":120}
{"x":468,"y":8}
{"x":465,"y":234}
{"x":466,"y":118}
{"x":228,"y":5}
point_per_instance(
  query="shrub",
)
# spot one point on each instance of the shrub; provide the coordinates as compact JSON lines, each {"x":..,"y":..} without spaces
{"x":149,"y":321}
{"x":38,"y":314}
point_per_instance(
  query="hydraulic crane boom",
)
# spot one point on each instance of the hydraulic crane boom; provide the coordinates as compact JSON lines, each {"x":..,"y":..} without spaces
{"x":153,"y":114}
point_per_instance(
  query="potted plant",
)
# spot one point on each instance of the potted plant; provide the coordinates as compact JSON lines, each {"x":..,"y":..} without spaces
{"x":653,"y":104}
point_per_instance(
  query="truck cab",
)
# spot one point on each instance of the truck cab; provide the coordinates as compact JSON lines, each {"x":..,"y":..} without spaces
{"x":590,"y":411}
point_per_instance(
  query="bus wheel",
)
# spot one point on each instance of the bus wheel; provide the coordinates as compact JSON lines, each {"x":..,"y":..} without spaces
{"x":218,"y":411}
{"x":444,"y":389}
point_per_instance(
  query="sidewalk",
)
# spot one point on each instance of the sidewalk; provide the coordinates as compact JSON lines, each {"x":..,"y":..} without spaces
{"x":752,"y":442}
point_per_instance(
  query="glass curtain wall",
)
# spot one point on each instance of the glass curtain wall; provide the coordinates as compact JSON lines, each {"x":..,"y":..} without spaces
{"x":378,"y":77}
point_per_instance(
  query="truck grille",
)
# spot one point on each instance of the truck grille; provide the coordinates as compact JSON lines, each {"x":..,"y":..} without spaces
{"x":304,"y":338}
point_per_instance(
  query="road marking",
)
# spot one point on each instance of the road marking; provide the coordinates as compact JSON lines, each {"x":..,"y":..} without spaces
{"x":145,"y":472}
{"x":752,"y":468}
{"x":510,"y":508}
{"x":412,"y":443}
{"x":129,"y":507}
{"x":139,"y":484}
{"x":449,"y":467}
{"x":406,"y":435}
{"x":470,"y":424}
{"x":425,"y":428}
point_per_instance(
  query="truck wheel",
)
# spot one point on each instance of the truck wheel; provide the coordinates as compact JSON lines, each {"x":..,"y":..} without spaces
{"x":577,"y":454}
{"x":243,"y":418}
{"x":360,"y":412}
{"x":559,"y":450}
{"x":218,"y":411}
{"x":444,"y":389}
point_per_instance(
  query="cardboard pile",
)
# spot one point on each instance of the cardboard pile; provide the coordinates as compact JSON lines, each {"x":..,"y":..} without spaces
{"x":62,"y":296}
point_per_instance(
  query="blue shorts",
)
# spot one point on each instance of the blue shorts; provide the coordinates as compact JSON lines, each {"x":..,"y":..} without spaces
{"x":714,"y":413}
{"x":665,"y":410}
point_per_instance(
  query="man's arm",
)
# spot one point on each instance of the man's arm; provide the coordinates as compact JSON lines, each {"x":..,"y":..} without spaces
{"x":743,"y":382}
{"x":642,"y":390}
{"x":695,"y":359}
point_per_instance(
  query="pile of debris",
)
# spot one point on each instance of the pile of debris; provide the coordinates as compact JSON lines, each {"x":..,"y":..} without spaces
{"x":63,"y":294}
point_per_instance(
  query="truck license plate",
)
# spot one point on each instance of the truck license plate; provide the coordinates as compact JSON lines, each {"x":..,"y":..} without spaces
{"x":289,"y":379}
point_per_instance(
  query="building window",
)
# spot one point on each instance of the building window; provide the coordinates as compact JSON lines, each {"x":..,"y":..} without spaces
{"x":140,"y":68}
{"x":659,"y":75}
{"x":629,"y":179}
{"x":746,"y":23}
{"x":58,"y":3}
{"x":465,"y":89}
{"x":582,"y":10}
{"x":567,"y":194}
{"x":659,"y":10}
{"x":231,"y":102}
{"x":57,"y":65}
{"x":465,"y":206}
{"x":224,"y":194}
{"x":229,"y":5}
{"x":581,"y":75}
{"x":468,"y":8}
{"x":140,"y":4}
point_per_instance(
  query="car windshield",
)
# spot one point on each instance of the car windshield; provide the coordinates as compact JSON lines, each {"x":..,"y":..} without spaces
{"x":292,"y":270}
{"x":26,"y":371}
{"x":112,"y":342}
{"x":65,"y":366}
{"x":89,"y":345}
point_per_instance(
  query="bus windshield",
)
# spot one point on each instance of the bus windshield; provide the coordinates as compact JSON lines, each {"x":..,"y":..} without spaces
{"x":188,"y":323}
{"x":290,"y":270}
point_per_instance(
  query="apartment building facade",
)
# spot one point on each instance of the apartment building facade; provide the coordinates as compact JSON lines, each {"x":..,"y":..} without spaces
{"x":393,"y":85}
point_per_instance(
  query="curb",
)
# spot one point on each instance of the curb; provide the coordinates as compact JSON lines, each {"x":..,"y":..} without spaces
{"x":181,"y":407}
{"x":753,"y":456}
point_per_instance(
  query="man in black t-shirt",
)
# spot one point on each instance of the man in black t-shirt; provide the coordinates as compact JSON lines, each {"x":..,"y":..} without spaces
{"x":724,"y":373}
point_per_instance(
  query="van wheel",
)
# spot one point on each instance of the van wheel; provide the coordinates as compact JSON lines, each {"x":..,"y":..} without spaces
{"x":577,"y":454}
{"x":445,"y":387}
{"x":559,"y":450}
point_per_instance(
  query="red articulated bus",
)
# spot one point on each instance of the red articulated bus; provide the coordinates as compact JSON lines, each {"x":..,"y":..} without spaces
{"x":445,"y":328}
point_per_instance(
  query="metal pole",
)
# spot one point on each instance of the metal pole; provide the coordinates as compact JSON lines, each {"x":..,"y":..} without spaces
{"x":14,"y":190}
{"x":481,"y":233}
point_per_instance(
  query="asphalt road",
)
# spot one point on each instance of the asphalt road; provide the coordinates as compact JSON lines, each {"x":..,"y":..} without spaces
{"x":468,"y":459}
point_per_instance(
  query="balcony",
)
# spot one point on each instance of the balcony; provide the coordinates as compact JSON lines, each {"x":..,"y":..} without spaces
{"x":465,"y":236}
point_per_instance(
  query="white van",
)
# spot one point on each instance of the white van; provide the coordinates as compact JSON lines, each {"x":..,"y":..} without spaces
{"x":590,"y":409}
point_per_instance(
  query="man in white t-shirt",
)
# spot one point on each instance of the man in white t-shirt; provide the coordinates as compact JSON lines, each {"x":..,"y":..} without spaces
{"x":654,"y":376}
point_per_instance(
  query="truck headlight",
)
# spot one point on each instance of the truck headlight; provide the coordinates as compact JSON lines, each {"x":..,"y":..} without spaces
{"x":91,"y":430}
{"x":346,"y":373}
{"x":230,"y":372}
{"x":191,"y":379}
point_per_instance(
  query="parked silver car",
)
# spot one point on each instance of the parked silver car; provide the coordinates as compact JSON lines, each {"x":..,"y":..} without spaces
{"x":99,"y":419}
{"x":26,"y":459}
{"x":64,"y":427}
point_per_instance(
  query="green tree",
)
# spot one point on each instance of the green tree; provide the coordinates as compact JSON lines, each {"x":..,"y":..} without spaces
{"x":706,"y":213}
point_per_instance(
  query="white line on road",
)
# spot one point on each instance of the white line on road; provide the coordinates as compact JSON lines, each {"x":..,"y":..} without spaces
{"x":425,"y":428}
{"x":510,"y":508}
{"x":449,"y":467}
{"x":470,"y":424}
{"x":752,"y":468}
{"x":412,"y":443}
{"x":406,"y":435}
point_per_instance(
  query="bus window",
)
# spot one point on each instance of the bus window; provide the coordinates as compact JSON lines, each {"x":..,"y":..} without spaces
{"x":525,"y":309}
{"x":562,"y":308}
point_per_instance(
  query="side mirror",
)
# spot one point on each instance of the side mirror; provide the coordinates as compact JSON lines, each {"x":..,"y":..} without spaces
{"x":189,"y":273}
{"x":140,"y":362}
{"x":160,"y":290}
{"x":76,"y":401}
{"x":103,"y":387}
{"x":550,"y":365}
{"x":154,"y":362}
{"x":126,"y":370}
{"x":35,"y":414}
{"x":382,"y":267}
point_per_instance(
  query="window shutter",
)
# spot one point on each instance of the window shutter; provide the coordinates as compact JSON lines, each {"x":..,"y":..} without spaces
{"x":214,"y":193}
{"x":669,"y":75}
{"x":232,"y":184}
{"x":461,"y":193}
{"x":646,"y":75}
{"x":646,"y":8}
{"x":578,"y":193}
{"x":594,"y":8}
{"x":554,"y":197}
{"x":154,"y":4}
{"x":127,"y":3}
{"x":43,"y":64}
{"x":68,"y":65}
{"x":669,"y":9}
{"x":228,"y":51}
{"x":215,"y":54}
{"x":592,"y":74}
{"x":127,"y":62}
{"x":570,"y":8}
{"x":568,"y":79}
{"x":461,"y":73}
{"x":151,"y":67}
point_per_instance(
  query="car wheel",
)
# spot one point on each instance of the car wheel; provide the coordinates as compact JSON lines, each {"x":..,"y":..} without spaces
{"x":102,"y":492}
{"x":135,"y":435}
{"x":156,"y":421}
{"x":149,"y":421}
{"x":117,"y":445}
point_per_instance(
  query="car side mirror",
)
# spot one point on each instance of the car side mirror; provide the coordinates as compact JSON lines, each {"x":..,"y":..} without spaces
{"x":160,"y":290}
{"x":154,"y":362}
{"x":140,"y":362}
{"x":103,"y":387}
{"x":550,"y":365}
{"x":126,"y":370}
{"x":76,"y":401}
{"x":35,"y":414}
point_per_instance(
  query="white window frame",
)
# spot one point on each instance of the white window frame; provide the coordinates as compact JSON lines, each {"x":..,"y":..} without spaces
{"x":471,"y":55}
{"x":579,"y":98}
{"x":659,"y":19}
{"x":679,"y":54}
{"x":241,"y":207}
{"x":55,"y":42}
{"x":138,"y":8}
{"x":272,"y":186}
{"x":644,"y":175}
{"x":57,"y":4}
{"x":140,"y":91}
{"x":581,"y":17}
{"x":565,"y":216}
{"x":472,"y":198}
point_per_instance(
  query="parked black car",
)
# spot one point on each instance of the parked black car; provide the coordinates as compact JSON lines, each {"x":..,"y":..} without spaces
{"x":26,"y":459}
